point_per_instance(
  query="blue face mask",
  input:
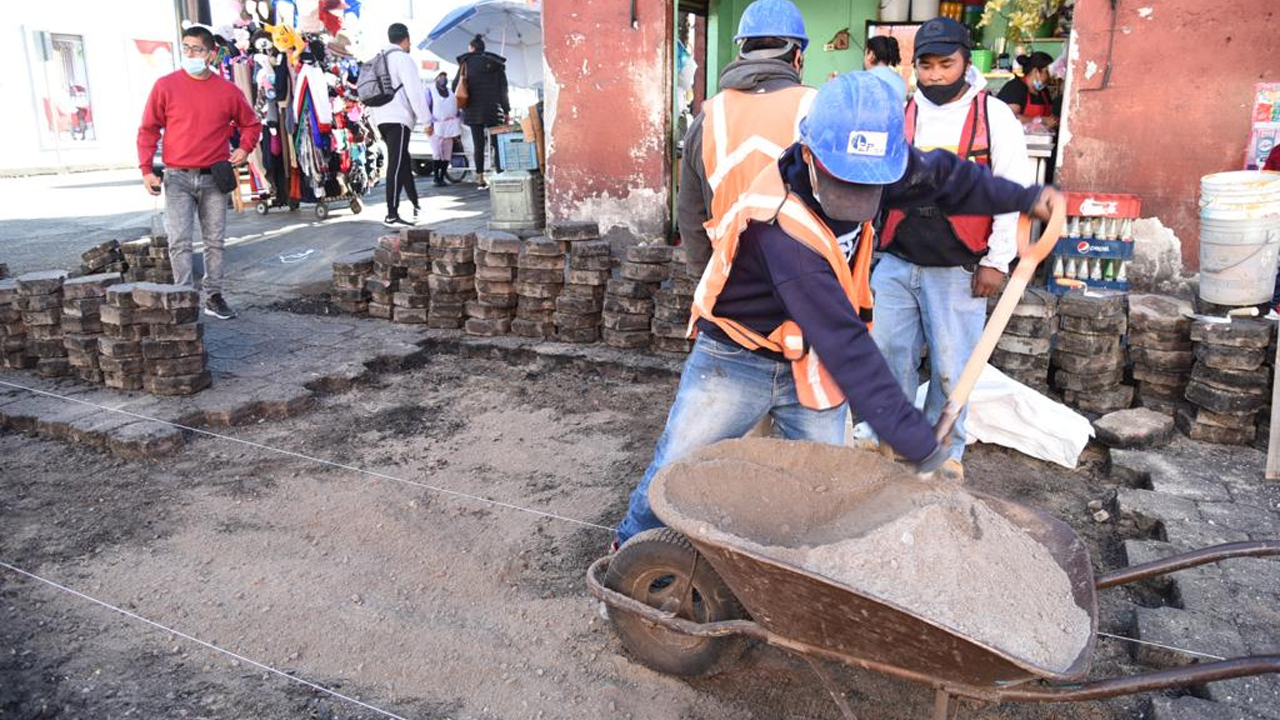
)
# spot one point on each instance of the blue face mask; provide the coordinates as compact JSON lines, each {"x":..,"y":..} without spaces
{"x":193,"y":65}
{"x":1037,"y":84}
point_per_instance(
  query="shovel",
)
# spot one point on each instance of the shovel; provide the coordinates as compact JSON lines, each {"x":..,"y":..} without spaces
{"x":1029,"y":258}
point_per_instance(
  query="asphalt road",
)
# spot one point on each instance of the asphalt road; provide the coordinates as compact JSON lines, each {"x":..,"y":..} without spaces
{"x":47,"y":221}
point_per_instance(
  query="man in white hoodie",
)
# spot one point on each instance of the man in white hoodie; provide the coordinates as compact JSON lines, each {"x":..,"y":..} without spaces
{"x":932,"y":283}
{"x":396,"y":120}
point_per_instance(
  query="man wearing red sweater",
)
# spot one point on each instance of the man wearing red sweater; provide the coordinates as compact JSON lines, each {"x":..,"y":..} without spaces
{"x":197,"y":111}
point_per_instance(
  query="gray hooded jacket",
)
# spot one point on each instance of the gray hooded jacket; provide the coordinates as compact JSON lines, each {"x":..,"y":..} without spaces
{"x":693,"y":203}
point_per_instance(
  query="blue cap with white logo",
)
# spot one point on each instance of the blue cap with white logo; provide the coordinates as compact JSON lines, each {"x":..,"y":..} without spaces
{"x":855,"y":131}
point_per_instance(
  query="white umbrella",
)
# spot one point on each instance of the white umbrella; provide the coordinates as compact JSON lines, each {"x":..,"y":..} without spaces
{"x":510,"y":29}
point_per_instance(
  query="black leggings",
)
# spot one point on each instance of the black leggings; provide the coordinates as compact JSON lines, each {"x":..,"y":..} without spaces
{"x":399,"y":166}
{"x":477,"y":142}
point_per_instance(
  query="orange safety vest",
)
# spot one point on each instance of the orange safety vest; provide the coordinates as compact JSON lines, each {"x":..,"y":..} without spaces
{"x":767,"y":200}
{"x":975,"y":145}
{"x":742,"y":132}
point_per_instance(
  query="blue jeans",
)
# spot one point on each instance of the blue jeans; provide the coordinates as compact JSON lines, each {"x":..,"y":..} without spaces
{"x":724,"y":391}
{"x":915,"y":305}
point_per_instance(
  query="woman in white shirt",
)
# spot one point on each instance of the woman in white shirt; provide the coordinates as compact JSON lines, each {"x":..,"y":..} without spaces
{"x":443,"y":125}
{"x":882,"y":60}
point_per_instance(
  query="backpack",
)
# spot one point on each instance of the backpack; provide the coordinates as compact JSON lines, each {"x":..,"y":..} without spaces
{"x":373,"y":84}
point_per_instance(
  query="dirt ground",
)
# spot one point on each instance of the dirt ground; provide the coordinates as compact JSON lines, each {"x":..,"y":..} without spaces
{"x":424,"y":604}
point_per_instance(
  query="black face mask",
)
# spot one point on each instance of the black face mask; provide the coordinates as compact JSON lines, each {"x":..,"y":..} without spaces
{"x":942,"y":94}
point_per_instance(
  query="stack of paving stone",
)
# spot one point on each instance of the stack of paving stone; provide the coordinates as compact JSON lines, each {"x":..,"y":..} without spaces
{"x":1263,"y":438}
{"x":453,"y":277}
{"x":82,"y":300}
{"x":540,"y":276}
{"x":496,"y":256}
{"x":1023,"y":350}
{"x":411,"y":296}
{"x":628,"y":300}
{"x":350,"y":275}
{"x":4,"y":271}
{"x":1229,"y":382}
{"x":173,"y":355}
{"x":578,"y":309}
{"x":388,"y":273}
{"x":40,"y":300}
{"x":13,"y":333}
{"x":1160,"y":350}
{"x":1088,"y":357}
{"x":671,"y":306}
{"x":147,"y":260}
{"x":120,"y":347}
{"x":103,"y":258}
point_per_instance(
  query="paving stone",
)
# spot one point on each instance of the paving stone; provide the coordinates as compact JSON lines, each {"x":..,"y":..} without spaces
{"x":1260,"y":575}
{"x":1092,"y":363}
{"x":1023,"y":345}
{"x":590,"y":249}
{"x":1236,"y":334}
{"x":538,"y":290}
{"x":502,"y":300}
{"x":1160,"y":313}
{"x":1222,"y":401}
{"x":155,"y":296}
{"x":573,"y":230}
{"x":42,"y":282}
{"x":1148,"y":508}
{"x":1091,"y":304}
{"x":89,"y":286}
{"x":626,"y":339}
{"x":282,"y":400}
{"x":1101,"y":402}
{"x":175,"y":367}
{"x":1084,"y":344}
{"x":1115,"y":325}
{"x":1185,"y":629}
{"x":1157,"y":341}
{"x":1136,"y":428}
{"x":495,"y":274}
{"x":497,"y":241}
{"x":487,"y":328}
{"x":622,"y":287}
{"x":1245,"y":381}
{"x":1088,"y":383}
{"x":1196,"y":534}
{"x":626,"y":322}
{"x":187,"y":332}
{"x":146,"y":439}
{"x":570,"y":321}
{"x":177,"y":385}
{"x":1007,"y":361}
{"x":526,"y":303}
{"x":1156,"y":471}
{"x":554,"y":277}
{"x":582,"y":305}
{"x":1233,"y":421}
{"x":650,"y":254}
{"x":1034,"y":303}
{"x":1190,"y":426}
{"x":523,"y":327}
{"x":1188,"y":707}
{"x":587,"y":277}
{"x":645,"y":273}
{"x":1244,"y":518}
{"x":630,"y":306}
{"x":541,"y":246}
{"x":578,"y":335}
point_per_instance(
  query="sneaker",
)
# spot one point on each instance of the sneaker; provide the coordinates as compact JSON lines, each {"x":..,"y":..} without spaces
{"x":952,"y":470}
{"x":416,"y":210}
{"x":217,"y":307}
{"x":396,"y":221}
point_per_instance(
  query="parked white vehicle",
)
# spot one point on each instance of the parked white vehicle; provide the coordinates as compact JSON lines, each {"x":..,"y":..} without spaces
{"x":420,"y":154}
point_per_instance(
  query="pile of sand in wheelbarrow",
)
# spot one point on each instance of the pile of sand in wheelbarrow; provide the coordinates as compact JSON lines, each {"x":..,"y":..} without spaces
{"x":868,"y":523}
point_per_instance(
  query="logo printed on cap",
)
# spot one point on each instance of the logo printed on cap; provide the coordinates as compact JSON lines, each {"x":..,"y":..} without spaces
{"x":864,"y":142}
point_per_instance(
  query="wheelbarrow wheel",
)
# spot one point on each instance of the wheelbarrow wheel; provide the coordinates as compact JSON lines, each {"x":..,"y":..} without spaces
{"x":654,"y":567}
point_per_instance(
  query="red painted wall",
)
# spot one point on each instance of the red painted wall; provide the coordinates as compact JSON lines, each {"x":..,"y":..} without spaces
{"x":1176,"y":104}
{"x":608,"y":99}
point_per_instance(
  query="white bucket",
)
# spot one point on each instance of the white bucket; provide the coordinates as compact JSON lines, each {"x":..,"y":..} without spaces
{"x":1240,"y":195}
{"x":895,"y":10}
{"x":922,"y":10}
{"x":1239,"y":237}
{"x":1238,"y":260}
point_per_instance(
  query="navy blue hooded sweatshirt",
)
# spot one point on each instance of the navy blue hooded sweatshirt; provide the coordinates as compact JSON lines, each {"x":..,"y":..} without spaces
{"x":775,"y":278}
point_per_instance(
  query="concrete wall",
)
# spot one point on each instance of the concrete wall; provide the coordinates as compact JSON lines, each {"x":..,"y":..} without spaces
{"x":118,"y":83}
{"x":608,"y":94}
{"x":1165,"y":99}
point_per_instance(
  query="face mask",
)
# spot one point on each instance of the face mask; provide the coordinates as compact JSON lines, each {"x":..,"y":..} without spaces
{"x":1037,"y":84}
{"x":193,"y":66}
{"x":441,"y":82}
{"x":942,"y":94}
{"x":813,"y":182}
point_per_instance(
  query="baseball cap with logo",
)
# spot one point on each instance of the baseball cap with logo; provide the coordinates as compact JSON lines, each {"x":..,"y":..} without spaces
{"x":941,"y":36}
{"x":854,"y":132}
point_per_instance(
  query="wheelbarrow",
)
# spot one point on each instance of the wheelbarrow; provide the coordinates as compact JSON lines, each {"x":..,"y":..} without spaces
{"x":686,"y":599}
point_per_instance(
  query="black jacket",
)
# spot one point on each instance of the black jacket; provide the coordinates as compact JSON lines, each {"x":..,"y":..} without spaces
{"x":487,"y":101}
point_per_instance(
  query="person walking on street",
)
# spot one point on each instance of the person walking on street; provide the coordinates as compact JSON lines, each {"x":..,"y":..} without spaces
{"x":396,"y":120}
{"x":197,"y":110}
{"x":443,"y":125}
{"x":940,"y":265}
{"x":487,"y":104}
{"x":783,"y":309}
{"x":746,"y":125}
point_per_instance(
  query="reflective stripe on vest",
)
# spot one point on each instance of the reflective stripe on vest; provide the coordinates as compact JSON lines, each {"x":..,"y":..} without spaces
{"x":742,"y":132}
{"x":975,"y":144}
{"x":768,"y":201}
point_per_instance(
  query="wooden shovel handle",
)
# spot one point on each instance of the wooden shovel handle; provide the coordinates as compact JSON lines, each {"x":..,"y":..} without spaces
{"x":1030,"y":256}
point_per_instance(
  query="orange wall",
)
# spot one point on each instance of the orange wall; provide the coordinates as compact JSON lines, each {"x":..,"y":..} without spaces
{"x":1176,"y":104}
{"x":608,"y":98}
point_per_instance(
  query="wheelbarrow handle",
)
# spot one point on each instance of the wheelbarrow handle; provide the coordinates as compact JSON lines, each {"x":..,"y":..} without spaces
{"x":1030,"y":256}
